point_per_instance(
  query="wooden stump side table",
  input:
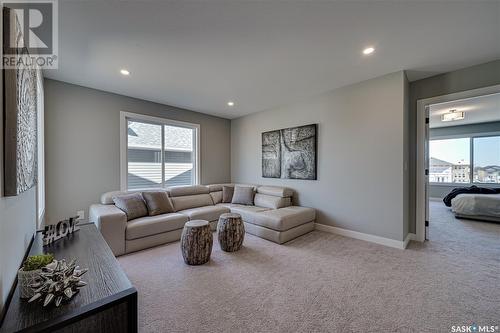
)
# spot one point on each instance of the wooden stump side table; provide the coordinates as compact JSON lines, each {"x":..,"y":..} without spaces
{"x":230,"y":232}
{"x":196,"y":242}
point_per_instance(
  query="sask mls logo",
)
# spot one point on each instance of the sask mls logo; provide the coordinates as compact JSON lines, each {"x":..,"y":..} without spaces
{"x":474,"y":328}
{"x":30,"y":33}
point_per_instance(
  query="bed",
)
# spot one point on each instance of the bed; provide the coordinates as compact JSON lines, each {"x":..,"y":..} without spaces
{"x":477,"y":206}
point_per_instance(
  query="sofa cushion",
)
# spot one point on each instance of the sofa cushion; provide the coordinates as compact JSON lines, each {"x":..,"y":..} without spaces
{"x":179,"y":191}
{"x":276,"y":191}
{"x":284,"y":218}
{"x":192,"y":201}
{"x":216,"y":187}
{"x":243,"y":195}
{"x":247,"y":213}
{"x":152,"y":225}
{"x":208,"y":213}
{"x":107,"y":198}
{"x":227,"y":194}
{"x":216,"y":197}
{"x":158,"y":203}
{"x":132,"y":204}
{"x":270,"y":201}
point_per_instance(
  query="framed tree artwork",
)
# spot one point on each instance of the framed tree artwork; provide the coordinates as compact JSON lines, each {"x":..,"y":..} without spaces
{"x":290,"y":153}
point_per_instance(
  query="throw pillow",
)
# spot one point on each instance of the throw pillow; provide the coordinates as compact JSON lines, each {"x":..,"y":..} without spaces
{"x":158,"y":203}
{"x":132,"y":204}
{"x":243,"y":195}
{"x":227,"y":194}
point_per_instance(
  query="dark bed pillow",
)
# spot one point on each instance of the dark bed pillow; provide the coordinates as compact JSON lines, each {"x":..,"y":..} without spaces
{"x":227,"y":194}
{"x":243,"y":195}
{"x":132,"y":204}
{"x":158,"y":203}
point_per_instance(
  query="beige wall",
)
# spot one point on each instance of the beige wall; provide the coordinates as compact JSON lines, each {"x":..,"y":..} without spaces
{"x":82,"y":136}
{"x":361,"y":179}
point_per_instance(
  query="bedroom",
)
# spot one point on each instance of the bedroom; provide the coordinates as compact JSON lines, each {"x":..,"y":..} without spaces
{"x":464,"y":168}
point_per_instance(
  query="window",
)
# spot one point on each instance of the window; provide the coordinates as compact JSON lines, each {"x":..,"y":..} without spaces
{"x":487,"y":159}
{"x":158,"y":152}
{"x":451,"y":159}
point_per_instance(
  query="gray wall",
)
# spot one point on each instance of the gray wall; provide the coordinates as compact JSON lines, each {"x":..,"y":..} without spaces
{"x":82,"y":136}
{"x":17,"y":224}
{"x":440,"y":191}
{"x":474,"y":77}
{"x":360,"y":182}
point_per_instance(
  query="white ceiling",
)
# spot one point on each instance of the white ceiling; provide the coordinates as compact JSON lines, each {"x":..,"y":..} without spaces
{"x":262,"y":54}
{"x":481,"y":109}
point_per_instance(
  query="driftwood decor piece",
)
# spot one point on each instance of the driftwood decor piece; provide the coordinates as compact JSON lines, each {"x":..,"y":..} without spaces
{"x":22,"y":88}
{"x":196,"y":242}
{"x":230,"y":232}
{"x":59,"y":283}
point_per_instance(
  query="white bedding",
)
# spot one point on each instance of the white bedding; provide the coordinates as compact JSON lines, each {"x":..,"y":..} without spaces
{"x":476,"y":205}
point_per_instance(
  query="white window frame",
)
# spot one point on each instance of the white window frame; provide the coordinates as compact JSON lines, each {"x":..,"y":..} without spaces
{"x":126,"y":116}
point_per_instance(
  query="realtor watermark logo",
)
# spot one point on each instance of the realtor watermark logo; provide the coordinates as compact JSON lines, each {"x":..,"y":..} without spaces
{"x":474,"y":328}
{"x":30,"y":33}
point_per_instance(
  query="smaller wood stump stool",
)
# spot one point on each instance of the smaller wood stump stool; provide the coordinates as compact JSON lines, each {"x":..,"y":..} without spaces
{"x":230,"y":231}
{"x":196,"y":242}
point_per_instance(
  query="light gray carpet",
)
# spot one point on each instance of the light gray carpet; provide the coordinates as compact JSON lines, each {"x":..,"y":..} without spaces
{"x":326,"y":283}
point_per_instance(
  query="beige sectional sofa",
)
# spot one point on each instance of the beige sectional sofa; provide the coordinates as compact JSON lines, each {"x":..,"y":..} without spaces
{"x":271,"y":217}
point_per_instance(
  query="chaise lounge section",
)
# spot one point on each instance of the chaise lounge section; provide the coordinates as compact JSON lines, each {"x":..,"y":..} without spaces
{"x":272,"y":216}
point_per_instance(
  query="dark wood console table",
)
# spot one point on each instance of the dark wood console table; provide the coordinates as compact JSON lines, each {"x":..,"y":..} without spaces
{"x":107,"y":304}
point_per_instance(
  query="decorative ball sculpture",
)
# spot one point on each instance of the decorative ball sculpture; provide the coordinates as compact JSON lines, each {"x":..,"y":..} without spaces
{"x":59,"y":282}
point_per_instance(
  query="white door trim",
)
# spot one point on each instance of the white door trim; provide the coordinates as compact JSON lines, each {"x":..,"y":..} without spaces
{"x":422,"y":104}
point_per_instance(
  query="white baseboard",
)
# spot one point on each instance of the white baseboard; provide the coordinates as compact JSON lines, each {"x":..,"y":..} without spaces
{"x":366,"y":237}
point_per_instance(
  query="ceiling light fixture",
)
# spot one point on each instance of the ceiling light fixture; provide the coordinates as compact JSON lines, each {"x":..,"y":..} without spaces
{"x":368,"y":50}
{"x":124,"y":72}
{"x":230,"y":103}
{"x":453,"y":115}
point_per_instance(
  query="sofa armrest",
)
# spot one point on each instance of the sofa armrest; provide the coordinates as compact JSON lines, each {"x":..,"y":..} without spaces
{"x":112,"y":223}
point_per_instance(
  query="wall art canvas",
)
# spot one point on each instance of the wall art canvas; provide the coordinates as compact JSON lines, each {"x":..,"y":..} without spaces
{"x":290,"y":153}
{"x":20,"y":126}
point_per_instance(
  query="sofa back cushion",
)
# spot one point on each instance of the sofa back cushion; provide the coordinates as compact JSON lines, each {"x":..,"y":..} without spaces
{"x":271,"y":201}
{"x":276,"y":191}
{"x":107,"y":198}
{"x":157,"y":202}
{"x":180,"y":191}
{"x":132,"y":204}
{"x":191,"y":201}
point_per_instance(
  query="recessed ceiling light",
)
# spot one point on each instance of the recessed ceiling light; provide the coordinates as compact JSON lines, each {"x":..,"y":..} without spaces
{"x":368,"y":50}
{"x":230,"y":103}
{"x":124,"y":72}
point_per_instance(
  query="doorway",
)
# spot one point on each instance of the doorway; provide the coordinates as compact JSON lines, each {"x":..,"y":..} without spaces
{"x":449,"y":128}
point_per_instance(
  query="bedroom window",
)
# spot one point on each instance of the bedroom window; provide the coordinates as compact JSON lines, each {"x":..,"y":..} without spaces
{"x":486,"y":159}
{"x":157,"y":152}
{"x":449,"y":161}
